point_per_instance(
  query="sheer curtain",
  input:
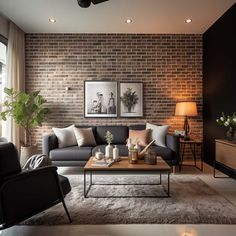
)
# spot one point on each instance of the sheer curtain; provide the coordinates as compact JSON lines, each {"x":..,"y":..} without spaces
{"x":15,"y":76}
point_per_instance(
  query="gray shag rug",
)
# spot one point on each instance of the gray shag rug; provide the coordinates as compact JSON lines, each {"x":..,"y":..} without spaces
{"x":192,"y":202}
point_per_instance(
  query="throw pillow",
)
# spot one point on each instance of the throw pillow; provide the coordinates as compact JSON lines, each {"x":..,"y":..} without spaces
{"x":158,"y":133}
{"x":65,"y":136}
{"x":84,"y":137}
{"x":141,"y":136}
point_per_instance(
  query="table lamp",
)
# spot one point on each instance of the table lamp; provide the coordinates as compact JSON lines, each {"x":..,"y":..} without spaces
{"x":186,"y":109}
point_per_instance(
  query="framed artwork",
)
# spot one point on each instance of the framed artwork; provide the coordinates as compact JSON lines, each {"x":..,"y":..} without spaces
{"x":100,"y":98}
{"x":131,"y":99}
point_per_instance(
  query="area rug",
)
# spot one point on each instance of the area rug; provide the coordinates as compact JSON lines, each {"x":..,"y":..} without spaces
{"x":192,"y":202}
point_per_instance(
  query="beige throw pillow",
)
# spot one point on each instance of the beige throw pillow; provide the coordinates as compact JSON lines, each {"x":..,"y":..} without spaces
{"x":158,"y":133}
{"x":65,"y":136}
{"x":141,"y":136}
{"x":84,"y":137}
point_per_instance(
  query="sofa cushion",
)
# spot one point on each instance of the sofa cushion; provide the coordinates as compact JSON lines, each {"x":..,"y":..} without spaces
{"x":158,"y":133}
{"x":84,"y":137}
{"x":65,"y":136}
{"x":140,"y":136}
{"x":71,"y":153}
{"x":123,"y":150}
{"x":120,"y":134}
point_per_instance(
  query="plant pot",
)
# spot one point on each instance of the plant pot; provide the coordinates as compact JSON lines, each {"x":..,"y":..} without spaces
{"x":26,"y":153}
{"x":231,"y":134}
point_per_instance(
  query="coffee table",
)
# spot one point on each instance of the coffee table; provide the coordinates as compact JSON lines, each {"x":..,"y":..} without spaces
{"x":123,"y":166}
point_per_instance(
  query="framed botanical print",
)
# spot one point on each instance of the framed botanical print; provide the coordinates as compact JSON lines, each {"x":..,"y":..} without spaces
{"x":100,"y":98}
{"x":131,"y":99}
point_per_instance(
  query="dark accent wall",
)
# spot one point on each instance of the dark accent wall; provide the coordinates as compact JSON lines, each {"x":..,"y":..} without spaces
{"x":219,"y":78}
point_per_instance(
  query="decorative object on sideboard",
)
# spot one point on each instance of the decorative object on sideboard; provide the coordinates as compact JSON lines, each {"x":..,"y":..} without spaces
{"x":131,"y":99}
{"x":109,"y":147}
{"x":186,"y":109}
{"x":28,"y":112}
{"x":228,"y":121}
{"x":100,"y":98}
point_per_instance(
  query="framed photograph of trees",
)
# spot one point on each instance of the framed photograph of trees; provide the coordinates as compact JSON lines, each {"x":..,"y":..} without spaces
{"x":100,"y":99}
{"x":131,"y":99}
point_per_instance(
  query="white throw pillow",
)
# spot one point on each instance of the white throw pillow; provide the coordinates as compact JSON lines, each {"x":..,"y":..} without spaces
{"x":65,"y":136}
{"x":158,"y":133}
{"x":84,"y":137}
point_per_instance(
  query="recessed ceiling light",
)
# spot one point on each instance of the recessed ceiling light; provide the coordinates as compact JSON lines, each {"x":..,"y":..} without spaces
{"x":52,"y":20}
{"x":128,"y":21}
{"x":188,"y":20}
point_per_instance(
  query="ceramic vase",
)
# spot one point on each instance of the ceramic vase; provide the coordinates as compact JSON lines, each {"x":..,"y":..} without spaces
{"x":108,"y":151}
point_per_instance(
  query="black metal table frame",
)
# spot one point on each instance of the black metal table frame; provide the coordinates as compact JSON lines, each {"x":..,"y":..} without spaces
{"x":160,"y":172}
{"x":192,"y":146}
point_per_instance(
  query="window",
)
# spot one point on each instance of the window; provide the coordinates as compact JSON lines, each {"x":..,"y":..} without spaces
{"x":3,"y":52}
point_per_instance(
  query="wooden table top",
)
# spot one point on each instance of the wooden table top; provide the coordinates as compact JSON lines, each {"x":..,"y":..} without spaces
{"x":124,"y":165}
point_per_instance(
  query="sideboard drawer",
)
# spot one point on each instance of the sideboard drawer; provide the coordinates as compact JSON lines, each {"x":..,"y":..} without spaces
{"x":226,"y":153}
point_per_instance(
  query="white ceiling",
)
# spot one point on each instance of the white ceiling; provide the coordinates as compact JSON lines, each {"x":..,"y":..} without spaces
{"x":149,"y":16}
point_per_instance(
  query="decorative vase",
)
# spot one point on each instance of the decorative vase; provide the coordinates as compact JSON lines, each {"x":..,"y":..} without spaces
{"x":116,"y":153}
{"x":108,"y":151}
{"x":26,"y":153}
{"x":231,"y":134}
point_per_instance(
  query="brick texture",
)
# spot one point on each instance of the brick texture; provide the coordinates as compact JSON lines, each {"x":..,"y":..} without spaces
{"x":170,"y":66}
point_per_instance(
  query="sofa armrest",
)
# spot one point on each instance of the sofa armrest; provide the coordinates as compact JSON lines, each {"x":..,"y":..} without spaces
{"x":50,"y":142}
{"x":172,"y":142}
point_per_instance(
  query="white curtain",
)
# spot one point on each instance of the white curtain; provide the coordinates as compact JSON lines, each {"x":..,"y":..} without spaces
{"x":15,"y":77}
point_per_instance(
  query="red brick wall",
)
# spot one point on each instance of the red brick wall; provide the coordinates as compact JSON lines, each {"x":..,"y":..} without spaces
{"x":170,"y":66}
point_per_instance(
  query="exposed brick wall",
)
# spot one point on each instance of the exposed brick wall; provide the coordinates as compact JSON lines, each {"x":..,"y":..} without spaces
{"x":170,"y":66}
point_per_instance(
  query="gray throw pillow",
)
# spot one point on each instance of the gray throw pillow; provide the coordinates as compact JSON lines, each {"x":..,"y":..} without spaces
{"x":158,"y":133}
{"x":65,"y":136}
{"x":84,"y":137}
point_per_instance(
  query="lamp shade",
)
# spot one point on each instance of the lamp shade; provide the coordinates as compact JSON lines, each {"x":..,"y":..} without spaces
{"x":186,"y":109}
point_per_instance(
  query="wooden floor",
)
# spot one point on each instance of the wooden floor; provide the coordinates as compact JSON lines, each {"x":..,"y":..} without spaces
{"x":224,"y":186}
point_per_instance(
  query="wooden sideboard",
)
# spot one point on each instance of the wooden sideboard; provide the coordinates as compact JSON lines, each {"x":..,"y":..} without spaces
{"x":225,"y":153}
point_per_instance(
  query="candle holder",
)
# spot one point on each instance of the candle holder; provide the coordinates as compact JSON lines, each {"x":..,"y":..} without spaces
{"x":133,"y":156}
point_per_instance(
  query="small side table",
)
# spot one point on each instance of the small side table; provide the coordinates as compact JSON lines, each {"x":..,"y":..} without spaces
{"x":193,"y":144}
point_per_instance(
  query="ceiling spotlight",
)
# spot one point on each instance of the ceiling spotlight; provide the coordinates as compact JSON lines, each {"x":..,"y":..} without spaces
{"x":128,"y":21}
{"x":188,"y":20}
{"x":52,"y":20}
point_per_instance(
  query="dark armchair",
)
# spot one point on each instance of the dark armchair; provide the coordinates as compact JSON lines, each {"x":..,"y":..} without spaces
{"x":26,"y":193}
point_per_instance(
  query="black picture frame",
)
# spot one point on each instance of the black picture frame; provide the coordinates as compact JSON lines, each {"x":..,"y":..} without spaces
{"x":133,"y":108}
{"x":100,"y":99}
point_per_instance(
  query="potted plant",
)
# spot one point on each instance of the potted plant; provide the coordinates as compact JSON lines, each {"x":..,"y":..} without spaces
{"x":28,"y":112}
{"x":109,"y":148}
{"x":228,"y":121}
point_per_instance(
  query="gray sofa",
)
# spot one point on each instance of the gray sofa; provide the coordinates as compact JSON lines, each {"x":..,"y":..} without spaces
{"x":74,"y":155}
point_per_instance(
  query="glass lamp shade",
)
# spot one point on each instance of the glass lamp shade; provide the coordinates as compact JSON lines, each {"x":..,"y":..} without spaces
{"x":186,"y":109}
